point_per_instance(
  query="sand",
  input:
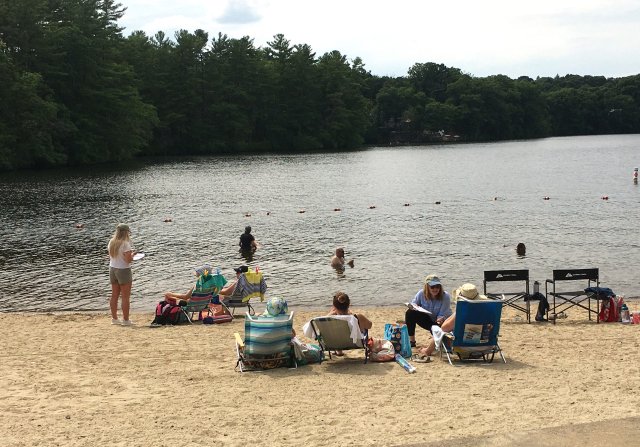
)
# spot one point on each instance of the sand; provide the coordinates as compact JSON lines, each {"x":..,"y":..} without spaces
{"x":76,"y":380}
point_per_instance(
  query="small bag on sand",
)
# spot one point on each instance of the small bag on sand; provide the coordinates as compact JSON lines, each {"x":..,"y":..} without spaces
{"x":381,"y":350}
{"x":398,"y":334}
{"x":307,"y":352}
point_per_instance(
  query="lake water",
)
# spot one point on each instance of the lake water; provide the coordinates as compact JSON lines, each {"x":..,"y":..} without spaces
{"x":46,"y":263}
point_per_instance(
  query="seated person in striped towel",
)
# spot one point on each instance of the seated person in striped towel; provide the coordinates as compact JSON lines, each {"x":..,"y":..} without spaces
{"x":206,"y":283}
{"x":248,"y":284}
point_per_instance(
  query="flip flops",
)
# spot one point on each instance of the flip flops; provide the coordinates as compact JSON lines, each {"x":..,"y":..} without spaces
{"x":421,"y":358}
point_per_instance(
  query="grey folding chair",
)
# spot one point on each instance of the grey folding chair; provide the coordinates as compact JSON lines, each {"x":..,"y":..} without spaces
{"x":333,"y":333}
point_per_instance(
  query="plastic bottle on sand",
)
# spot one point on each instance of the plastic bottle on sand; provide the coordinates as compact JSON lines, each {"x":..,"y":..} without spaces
{"x":406,"y":365}
{"x":624,"y":314}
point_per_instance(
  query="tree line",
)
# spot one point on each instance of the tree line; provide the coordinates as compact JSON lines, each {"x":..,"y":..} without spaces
{"x":74,"y":90}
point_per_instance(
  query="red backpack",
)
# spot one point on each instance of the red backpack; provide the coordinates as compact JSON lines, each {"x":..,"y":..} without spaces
{"x":608,"y":310}
{"x":167,"y":313}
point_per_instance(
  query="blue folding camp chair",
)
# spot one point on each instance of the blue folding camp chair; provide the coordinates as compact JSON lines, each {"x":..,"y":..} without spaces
{"x":266,"y":344}
{"x":475,"y":335}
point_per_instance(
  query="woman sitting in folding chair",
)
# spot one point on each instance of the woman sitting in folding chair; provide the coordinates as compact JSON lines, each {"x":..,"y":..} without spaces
{"x":467,"y":291}
{"x":196,"y":299}
{"x":230,"y":289}
{"x":431,"y":306}
{"x":206,"y":282}
{"x":341,"y":304}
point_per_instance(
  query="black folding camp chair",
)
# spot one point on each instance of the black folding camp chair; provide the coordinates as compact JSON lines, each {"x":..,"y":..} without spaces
{"x":572,"y":298}
{"x":513,"y":296}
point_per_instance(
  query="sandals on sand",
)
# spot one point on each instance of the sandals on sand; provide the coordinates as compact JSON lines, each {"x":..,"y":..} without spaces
{"x":420,"y":358}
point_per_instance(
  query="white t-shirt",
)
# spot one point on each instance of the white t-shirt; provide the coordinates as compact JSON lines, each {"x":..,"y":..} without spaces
{"x":119,"y":262}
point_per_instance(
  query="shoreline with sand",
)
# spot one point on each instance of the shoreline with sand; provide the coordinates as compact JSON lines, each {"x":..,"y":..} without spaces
{"x":73,"y":379}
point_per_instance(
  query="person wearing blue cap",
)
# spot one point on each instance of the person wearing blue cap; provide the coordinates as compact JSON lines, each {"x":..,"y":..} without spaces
{"x":431,"y":306}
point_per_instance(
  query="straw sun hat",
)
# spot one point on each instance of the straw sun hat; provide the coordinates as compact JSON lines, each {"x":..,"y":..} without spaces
{"x":468,"y":292}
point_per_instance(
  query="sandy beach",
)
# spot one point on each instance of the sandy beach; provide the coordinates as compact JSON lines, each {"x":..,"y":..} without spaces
{"x":76,"y":380}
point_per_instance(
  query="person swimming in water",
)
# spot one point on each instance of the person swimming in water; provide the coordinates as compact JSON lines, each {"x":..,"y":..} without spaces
{"x":338,"y":261}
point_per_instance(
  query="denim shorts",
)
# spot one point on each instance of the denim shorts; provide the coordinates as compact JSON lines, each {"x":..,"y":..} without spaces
{"x":120,"y":276}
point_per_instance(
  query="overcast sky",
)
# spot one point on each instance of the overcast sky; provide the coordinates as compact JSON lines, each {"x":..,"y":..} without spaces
{"x":481,"y":37}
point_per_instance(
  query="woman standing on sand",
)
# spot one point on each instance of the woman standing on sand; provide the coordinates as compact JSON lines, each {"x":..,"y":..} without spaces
{"x":120,"y":258}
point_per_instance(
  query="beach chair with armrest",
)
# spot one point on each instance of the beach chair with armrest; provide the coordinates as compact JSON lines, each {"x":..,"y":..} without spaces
{"x":338,"y":333}
{"x":475,"y":334}
{"x":199,"y":302}
{"x":515,"y":295}
{"x":565,"y":296}
{"x":203,"y":293}
{"x":250,"y":285}
{"x":266,"y":344}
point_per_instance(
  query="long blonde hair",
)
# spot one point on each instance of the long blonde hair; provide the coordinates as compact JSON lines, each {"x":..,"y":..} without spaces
{"x":120,"y":236}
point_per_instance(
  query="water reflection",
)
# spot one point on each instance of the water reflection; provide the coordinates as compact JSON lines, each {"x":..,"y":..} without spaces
{"x":247,"y":255}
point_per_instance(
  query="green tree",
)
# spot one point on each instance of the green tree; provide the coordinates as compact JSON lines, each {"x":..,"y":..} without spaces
{"x":345,"y":110}
{"x":29,"y":123}
{"x":95,"y":85}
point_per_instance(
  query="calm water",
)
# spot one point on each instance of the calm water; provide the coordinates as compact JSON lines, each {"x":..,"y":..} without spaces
{"x":48,"y":264}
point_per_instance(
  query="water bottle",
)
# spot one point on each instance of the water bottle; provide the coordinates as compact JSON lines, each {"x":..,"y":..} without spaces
{"x":624,"y":314}
{"x":406,"y":365}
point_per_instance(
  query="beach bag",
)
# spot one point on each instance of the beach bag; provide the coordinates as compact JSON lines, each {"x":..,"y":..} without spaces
{"x":381,"y":350}
{"x":167,"y":313}
{"x":307,"y":352}
{"x":398,"y":335}
{"x":608,"y":310}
